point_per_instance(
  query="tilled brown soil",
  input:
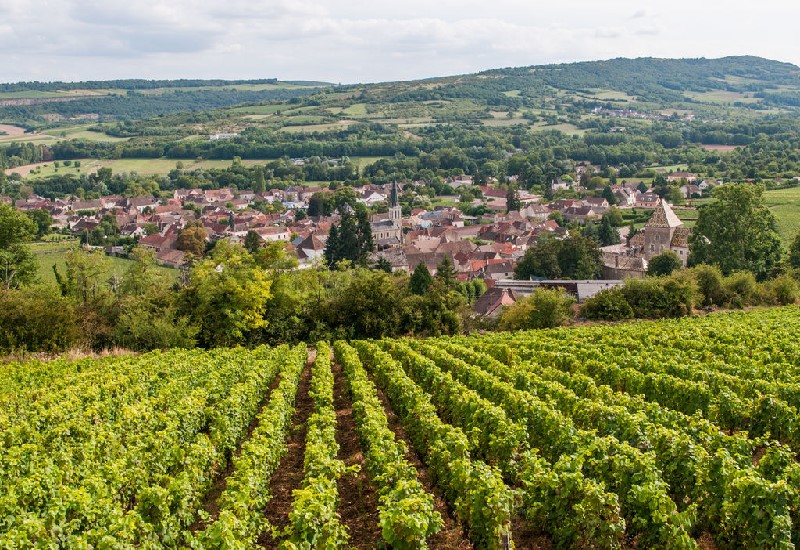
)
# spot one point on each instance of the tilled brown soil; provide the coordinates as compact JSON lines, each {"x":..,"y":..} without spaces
{"x":358,"y":500}
{"x":289,"y":475}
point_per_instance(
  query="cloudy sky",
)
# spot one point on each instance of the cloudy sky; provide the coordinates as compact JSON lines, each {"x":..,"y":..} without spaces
{"x":352,"y":41}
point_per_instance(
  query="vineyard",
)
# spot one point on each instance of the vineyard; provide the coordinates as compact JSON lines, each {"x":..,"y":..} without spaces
{"x":670,"y":434}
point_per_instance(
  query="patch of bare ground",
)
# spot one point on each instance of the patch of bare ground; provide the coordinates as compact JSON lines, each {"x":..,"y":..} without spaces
{"x":289,"y":474}
{"x":211,"y":500}
{"x":525,"y":536}
{"x":358,"y":500}
{"x":451,"y":536}
{"x":706,"y":542}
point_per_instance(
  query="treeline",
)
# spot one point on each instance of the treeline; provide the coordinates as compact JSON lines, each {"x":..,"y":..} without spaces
{"x":124,"y":84}
{"x":270,"y":303}
{"x":134,"y":104}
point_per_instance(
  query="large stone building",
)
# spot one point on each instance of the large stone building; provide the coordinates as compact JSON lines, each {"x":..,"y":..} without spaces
{"x":663,"y":231}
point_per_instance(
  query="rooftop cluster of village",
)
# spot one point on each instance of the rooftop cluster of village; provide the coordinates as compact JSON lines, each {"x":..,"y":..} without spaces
{"x":485,"y":246}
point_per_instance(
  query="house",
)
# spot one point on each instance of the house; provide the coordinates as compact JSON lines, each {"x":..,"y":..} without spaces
{"x":310,"y":249}
{"x":678,"y":176}
{"x":492,"y":302}
{"x":647,"y":199}
{"x":691,"y":191}
{"x":580,"y":214}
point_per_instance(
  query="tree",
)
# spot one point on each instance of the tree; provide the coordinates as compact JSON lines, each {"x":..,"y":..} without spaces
{"x":609,"y":195}
{"x":192,"y":238}
{"x":664,"y":264}
{"x":607,"y":234}
{"x":17,"y":264}
{"x":420,"y":280}
{"x":737,"y":232}
{"x":252,"y":242}
{"x":545,"y":308}
{"x":575,"y":257}
{"x":446,"y":272}
{"x":43,"y":221}
{"x":226,"y":296}
{"x":351,"y":240}
{"x":513,"y":202}
{"x":794,"y":252}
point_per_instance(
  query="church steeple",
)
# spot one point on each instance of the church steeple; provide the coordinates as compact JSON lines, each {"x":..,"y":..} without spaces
{"x":394,"y":199}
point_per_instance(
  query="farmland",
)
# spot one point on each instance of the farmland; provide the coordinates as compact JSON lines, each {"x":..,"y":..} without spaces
{"x":669,"y":434}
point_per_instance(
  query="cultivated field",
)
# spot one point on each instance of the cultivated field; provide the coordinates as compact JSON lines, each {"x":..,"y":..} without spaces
{"x":785,"y":205}
{"x":673,"y":434}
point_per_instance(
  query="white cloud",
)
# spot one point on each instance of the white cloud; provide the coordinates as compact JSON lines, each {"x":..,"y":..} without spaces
{"x":363,"y":40}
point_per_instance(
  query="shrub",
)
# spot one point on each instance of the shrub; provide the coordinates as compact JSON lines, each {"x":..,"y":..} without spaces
{"x":741,"y":289}
{"x":607,"y":305}
{"x":545,"y":308}
{"x":654,"y":298}
{"x":664,"y":264}
{"x":709,"y":284}
{"x":37,"y":319}
{"x":783,"y":290}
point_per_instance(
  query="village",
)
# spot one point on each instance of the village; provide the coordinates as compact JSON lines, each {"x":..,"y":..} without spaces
{"x":484,"y":247}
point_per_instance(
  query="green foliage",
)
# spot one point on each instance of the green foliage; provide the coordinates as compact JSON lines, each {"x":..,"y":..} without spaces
{"x":420,"y":280}
{"x":226,"y":296}
{"x":17,"y":264}
{"x":794,"y":252}
{"x":446,"y":272}
{"x":784,"y":290}
{"x":351,"y":240}
{"x":314,"y":520}
{"x":664,"y":264}
{"x":43,"y":221}
{"x":192,"y":239}
{"x":575,"y":257}
{"x":657,"y":297}
{"x":407,"y":512}
{"x":709,"y":284}
{"x":607,"y":233}
{"x":737,"y":232}
{"x":607,"y":305}
{"x":37,"y":319}
{"x":544,"y":308}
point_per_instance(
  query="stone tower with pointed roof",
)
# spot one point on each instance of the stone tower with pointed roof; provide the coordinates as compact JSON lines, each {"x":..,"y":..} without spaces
{"x":663,"y":231}
{"x":395,"y":210}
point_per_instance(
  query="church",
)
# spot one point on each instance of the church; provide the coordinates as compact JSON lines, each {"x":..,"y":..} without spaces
{"x":663,"y":231}
{"x":387,"y":229}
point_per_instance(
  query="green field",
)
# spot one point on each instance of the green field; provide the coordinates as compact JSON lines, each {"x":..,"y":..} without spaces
{"x":785,"y":205}
{"x":54,"y":253}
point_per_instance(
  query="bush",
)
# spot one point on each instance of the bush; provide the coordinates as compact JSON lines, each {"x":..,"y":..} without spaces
{"x":607,"y":305}
{"x":37,"y":319}
{"x":655,"y":298}
{"x":545,"y":308}
{"x":709,"y":285}
{"x":664,"y":264}
{"x":741,"y":289}
{"x":783,"y":290}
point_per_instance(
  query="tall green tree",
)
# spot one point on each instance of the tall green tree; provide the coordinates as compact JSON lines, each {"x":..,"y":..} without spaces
{"x":17,"y":264}
{"x":446,"y":272}
{"x":607,"y":234}
{"x":420,"y":280}
{"x":794,"y":252}
{"x":576,"y":257}
{"x":737,"y":232}
{"x":664,"y":264}
{"x":226,"y":296}
{"x":351,"y":239}
{"x":513,"y":202}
